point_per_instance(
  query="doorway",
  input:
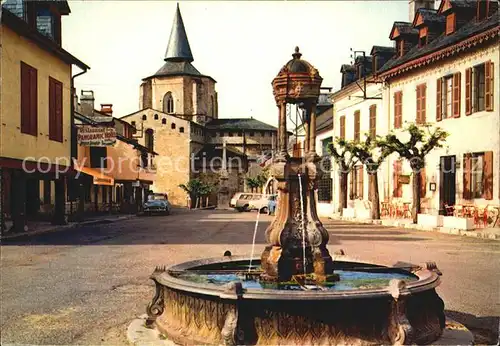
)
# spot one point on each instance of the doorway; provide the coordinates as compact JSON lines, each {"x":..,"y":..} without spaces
{"x":447,"y":186}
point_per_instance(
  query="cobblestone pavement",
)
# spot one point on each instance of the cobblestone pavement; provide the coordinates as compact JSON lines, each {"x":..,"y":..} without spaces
{"x":84,"y":285}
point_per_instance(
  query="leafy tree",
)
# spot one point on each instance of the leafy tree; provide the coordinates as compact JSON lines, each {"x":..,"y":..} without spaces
{"x":341,"y":151}
{"x":193,"y":188}
{"x":372,"y":157}
{"x":253,"y":183}
{"x":421,"y":142}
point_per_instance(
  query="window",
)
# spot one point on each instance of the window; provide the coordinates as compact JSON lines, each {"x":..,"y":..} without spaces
{"x":356,"y":186}
{"x":45,"y":22}
{"x":325,"y":143}
{"x":478,"y":175}
{"x":156,"y":116}
{"x":479,"y":88}
{"x":482,"y":9}
{"x":356,"y":125}
{"x":168,"y":103}
{"x":325,"y":182}
{"x":55,"y":110}
{"x":144,"y":117}
{"x":251,"y":134}
{"x":172,"y":126}
{"x":450,"y":23}
{"x":231,"y":134}
{"x":149,"y":139}
{"x":297,"y":149}
{"x":15,"y":6}
{"x":181,"y":129}
{"x":422,"y":37}
{"x":29,"y":99}
{"x":373,"y":121}
{"x":132,"y":123}
{"x":401,"y":47}
{"x":421,"y":103}
{"x":342,"y":127}
{"x":398,"y":109}
{"x":144,"y":159}
{"x":240,"y":134}
{"x":263,"y":134}
{"x":448,"y":91}
{"x":163,"y":121}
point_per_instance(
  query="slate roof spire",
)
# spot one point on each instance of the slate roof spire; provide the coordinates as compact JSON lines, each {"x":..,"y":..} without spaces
{"x":178,"y":45}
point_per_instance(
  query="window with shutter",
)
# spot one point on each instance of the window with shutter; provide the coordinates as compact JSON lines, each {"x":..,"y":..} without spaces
{"x":29,"y":99}
{"x":439,"y":99}
{"x":479,"y":91}
{"x":398,"y":109}
{"x":356,"y":125}
{"x":456,"y":95}
{"x":373,"y":121}
{"x":489,"y":82}
{"x":450,"y":23}
{"x":468,"y":91}
{"x":342,"y":127}
{"x":421,"y":104}
{"x":352,"y":178}
{"x":55,"y":110}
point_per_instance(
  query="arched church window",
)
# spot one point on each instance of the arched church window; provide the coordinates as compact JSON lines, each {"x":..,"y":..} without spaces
{"x":149,"y":139}
{"x":172,"y":126}
{"x":164,"y":121}
{"x":181,"y":129}
{"x":168,"y":103}
{"x":144,"y":117}
{"x":156,"y":116}
{"x":212,"y":105}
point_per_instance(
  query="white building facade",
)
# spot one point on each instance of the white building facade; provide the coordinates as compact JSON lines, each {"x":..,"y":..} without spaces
{"x":444,"y":74}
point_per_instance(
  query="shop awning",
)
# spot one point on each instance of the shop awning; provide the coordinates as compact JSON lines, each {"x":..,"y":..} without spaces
{"x":99,"y":177}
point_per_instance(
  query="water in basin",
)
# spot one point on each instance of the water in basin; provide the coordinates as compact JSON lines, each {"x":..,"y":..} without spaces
{"x":349,"y":280}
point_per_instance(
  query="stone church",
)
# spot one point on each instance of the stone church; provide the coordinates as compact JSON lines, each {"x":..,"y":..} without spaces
{"x":178,"y":119}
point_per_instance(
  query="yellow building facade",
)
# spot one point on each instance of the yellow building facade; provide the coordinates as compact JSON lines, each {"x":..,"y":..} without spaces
{"x":35,"y":112}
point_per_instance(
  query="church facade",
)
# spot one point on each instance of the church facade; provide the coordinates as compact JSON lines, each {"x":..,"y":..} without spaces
{"x":178,"y":119}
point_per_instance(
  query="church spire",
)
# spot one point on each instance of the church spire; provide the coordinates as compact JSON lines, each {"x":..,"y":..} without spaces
{"x":178,"y":45}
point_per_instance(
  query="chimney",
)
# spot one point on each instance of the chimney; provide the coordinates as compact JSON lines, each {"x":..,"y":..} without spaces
{"x":87,"y":103}
{"x":107,"y":108}
{"x":414,"y":5}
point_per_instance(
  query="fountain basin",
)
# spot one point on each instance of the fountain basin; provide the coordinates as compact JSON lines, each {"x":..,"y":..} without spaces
{"x":195,"y":304}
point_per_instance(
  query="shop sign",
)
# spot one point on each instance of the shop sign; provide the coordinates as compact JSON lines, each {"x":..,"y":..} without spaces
{"x":103,"y":181}
{"x":96,"y":136}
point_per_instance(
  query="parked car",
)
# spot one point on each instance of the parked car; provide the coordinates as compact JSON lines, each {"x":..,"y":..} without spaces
{"x":157,"y":203}
{"x":234,"y":199}
{"x":263,"y":204}
{"x":245,"y":200}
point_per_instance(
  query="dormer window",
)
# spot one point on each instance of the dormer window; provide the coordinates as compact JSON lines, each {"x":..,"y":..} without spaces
{"x":401,"y":47}
{"x":482,"y":9}
{"x":450,"y":23}
{"x":422,"y":37}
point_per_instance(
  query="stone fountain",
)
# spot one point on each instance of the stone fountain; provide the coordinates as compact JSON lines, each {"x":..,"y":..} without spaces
{"x":296,"y":293}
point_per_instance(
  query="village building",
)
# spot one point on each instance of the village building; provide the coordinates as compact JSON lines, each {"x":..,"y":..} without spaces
{"x":178,"y":118}
{"x":36,"y":113}
{"x":445,"y":73}
{"x":115,"y":176}
{"x":357,"y":113}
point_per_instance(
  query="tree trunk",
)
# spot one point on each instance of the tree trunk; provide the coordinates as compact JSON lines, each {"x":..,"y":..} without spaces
{"x":374,"y":196}
{"x":415,"y":209}
{"x":206,"y":201}
{"x":196,"y":203}
{"x":342,"y":192}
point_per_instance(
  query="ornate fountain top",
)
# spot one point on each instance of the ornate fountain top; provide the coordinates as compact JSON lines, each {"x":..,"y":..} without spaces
{"x":297,"y":81}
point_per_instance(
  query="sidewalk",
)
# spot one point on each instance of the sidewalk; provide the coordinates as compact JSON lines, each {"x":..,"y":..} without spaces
{"x":46,"y":227}
{"x":485,"y":233}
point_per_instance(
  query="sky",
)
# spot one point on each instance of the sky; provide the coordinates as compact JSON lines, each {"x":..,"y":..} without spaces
{"x":242,"y":45}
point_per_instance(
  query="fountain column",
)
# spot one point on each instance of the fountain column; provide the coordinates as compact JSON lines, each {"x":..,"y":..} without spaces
{"x":287,"y":254}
